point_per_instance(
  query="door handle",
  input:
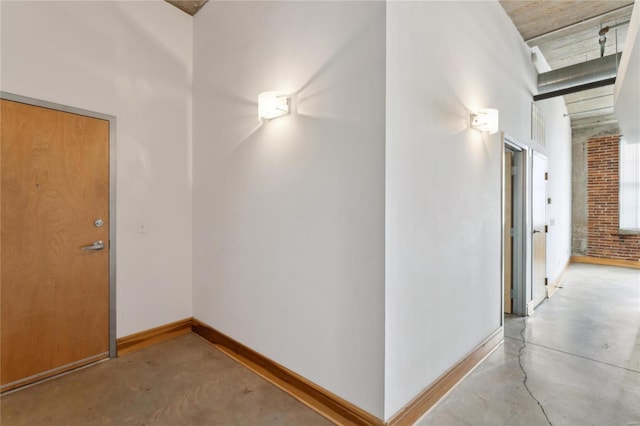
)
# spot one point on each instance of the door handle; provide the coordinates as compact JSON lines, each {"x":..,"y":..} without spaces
{"x":535,"y":231}
{"x":97,"y":245}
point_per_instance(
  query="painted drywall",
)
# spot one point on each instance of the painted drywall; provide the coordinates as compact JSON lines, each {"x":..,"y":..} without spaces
{"x":131,"y":60}
{"x":443,"y":193}
{"x":627,"y":88}
{"x":558,"y":150}
{"x":288,"y":215}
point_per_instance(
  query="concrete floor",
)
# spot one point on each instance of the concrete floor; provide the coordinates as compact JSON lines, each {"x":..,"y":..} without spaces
{"x":581,"y":358}
{"x":184,"y":381}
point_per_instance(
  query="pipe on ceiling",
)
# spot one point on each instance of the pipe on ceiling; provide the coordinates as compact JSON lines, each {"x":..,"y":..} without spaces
{"x":603,"y":35}
{"x":576,"y":78}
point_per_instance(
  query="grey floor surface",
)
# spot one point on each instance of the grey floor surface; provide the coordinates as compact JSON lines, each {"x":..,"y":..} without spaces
{"x":581,"y":355}
{"x":184,"y":381}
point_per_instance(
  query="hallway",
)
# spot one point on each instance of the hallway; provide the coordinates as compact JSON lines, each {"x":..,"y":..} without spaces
{"x":582,"y":360}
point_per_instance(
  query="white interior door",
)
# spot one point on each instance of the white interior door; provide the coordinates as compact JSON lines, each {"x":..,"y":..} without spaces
{"x":539,"y":222}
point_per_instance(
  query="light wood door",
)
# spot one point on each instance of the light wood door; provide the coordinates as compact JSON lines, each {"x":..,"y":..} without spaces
{"x":54,"y":294}
{"x":539,"y":221}
{"x":508,"y":224}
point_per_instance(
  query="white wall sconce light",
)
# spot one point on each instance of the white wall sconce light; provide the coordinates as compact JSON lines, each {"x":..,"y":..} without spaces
{"x":485,"y":120}
{"x":272,"y":105}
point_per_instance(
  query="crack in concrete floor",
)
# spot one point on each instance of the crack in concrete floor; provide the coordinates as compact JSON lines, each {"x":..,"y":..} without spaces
{"x":526,"y":376}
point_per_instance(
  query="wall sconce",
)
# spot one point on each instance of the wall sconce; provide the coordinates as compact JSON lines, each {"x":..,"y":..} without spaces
{"x":272,"y":105}
{"x":485,"y":120}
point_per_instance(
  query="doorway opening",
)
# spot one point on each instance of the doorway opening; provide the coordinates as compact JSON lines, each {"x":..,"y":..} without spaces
{"x":515,"y":168}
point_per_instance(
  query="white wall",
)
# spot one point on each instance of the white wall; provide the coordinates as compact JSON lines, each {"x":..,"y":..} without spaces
{"x":131,"y":60}
{"x":289,"y":216}
{"x":443,"y":223}
{"x":558,"y":151}
{"x":627,"y":88}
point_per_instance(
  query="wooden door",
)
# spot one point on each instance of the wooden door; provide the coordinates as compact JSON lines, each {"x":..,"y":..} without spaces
{"x":539,"y":221}
{"x":508,"y":224}
{"x":54,"y":294}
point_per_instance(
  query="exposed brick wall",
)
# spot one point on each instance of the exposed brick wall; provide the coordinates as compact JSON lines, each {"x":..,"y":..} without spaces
{"x":603,"y":239}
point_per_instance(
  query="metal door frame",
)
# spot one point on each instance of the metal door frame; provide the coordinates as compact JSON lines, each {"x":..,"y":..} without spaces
{"x":521,"y":257}
{"x":112,"y":196}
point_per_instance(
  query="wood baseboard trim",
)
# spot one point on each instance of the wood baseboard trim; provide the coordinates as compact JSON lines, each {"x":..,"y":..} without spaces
{"x":312,"y":395}
{"x":419,"y":406}
{"x":153,"y":336}
{"x":315,"y":397}
{"x":607,"y":262}
{"x":58,"y":371}
{"x":553,"y":286}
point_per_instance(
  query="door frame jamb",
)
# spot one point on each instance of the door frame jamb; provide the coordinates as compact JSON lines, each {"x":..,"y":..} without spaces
{"x":522,"y":185}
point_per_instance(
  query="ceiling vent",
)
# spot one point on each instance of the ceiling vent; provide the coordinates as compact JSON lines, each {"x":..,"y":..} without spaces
{"x":576,"y":78}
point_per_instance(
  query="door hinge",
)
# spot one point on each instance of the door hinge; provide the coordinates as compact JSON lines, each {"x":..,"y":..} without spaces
{"x":512,"y":232}
{"x":546,"y":176}
{"x":546,"y":229}
{"x":546,"y":281}
{"x":514,"y":169}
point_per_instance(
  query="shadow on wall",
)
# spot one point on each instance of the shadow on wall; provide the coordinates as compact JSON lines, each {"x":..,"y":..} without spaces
{"x":325,"y":93}
{"x":466,"y":73}
{"x":328,"y":93}
{"x":337,"y":112}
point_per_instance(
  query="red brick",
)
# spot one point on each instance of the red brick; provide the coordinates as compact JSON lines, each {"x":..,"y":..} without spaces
{"x":602,"y":203}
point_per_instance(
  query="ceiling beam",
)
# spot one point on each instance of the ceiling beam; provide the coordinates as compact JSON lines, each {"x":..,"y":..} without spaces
{"x":574,"y":89}
{"x":597,"y":121}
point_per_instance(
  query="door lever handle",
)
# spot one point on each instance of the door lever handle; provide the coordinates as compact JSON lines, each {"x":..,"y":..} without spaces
{"x":97,"y":245}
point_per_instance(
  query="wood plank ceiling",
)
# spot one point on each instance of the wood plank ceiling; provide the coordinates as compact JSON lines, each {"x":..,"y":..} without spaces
{"x":566,"y":32}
